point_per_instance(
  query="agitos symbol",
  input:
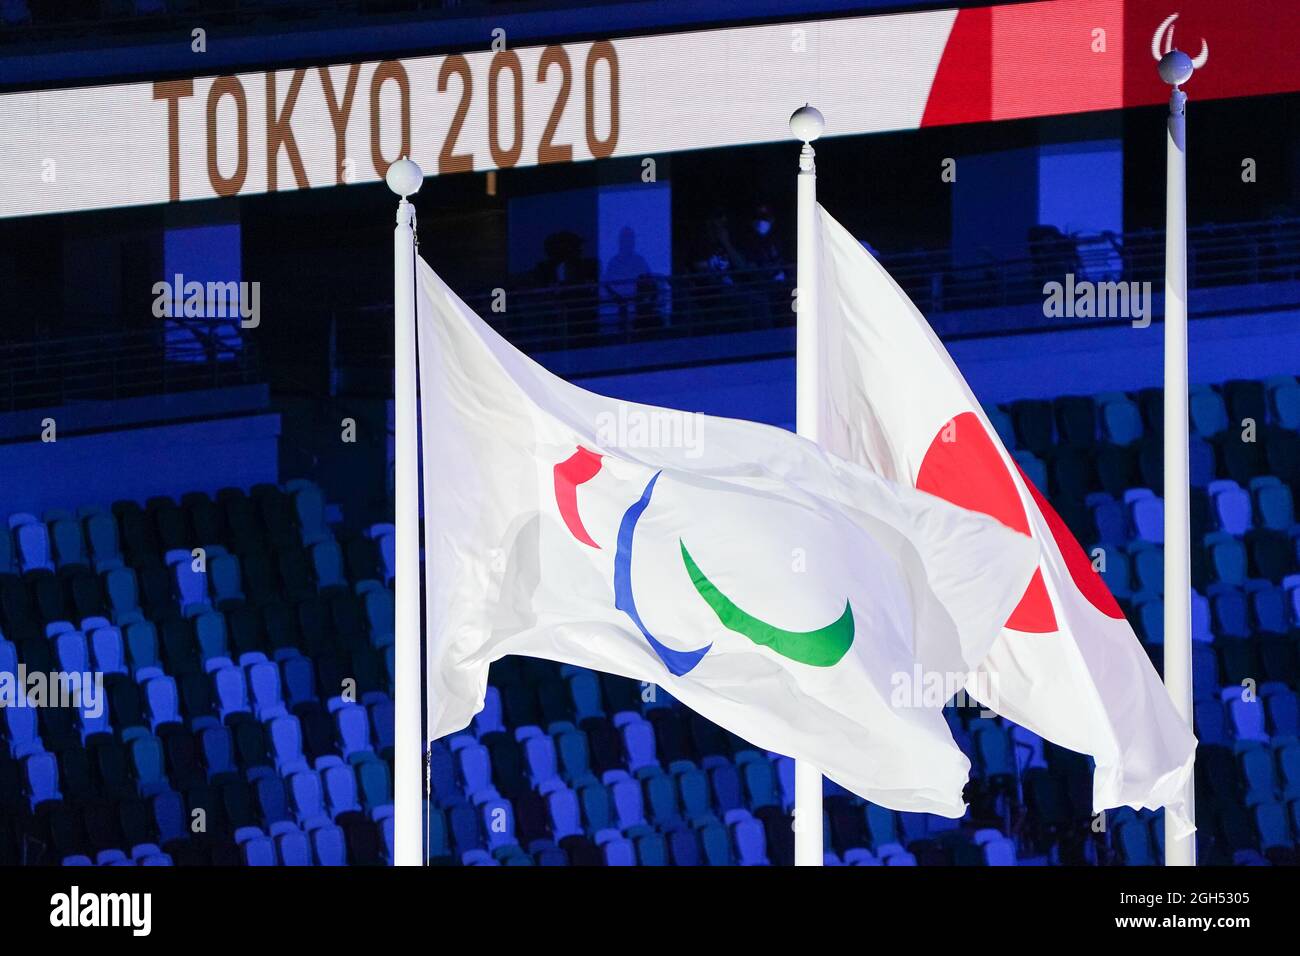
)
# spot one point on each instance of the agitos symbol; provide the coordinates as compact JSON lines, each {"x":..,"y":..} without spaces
{"x":822,"y":647}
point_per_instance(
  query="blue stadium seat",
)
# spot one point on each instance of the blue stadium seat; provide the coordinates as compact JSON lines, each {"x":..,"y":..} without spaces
{"x":1109,"y":518}
{"x":162,"y":702}
{"x":299,"y":681}
{"x":1281,"y":709}
{"x":259,"y":851}
{"x":565,"y":812}
{"x":993,"y":749}
{"x":894,"y":855}
{"x":72,"y":652}
{"x":1245,"y":717}
{"x":1229,"y":611}
{"x":725,"y":782}
{"x":539,"y":752}
{"x":1033,"y":467}
{"x":380,"y":615}
{"x":760,"y":784}
{"x":1274,"y":827}
{"x":307,"y":799}
{"x":352,"y":725}
{"x":24,"y":738}
{"x":384,"y":535}
{"x":309,"y":510}
{"x":101,"y":537}
{"x":327,"y":563}
{"x":230,"y":691}
{"x":639,"y":741}
{"x":340,"y":785}
{"x":1284,"y":402}
{"x":122,"y":590}
{"x":1227,"y":558}
{"x":1148,"y":561}
{"x":1268,"y":609}
{"x":1209,"y":722}
{"x":715,"y":842}
{"x":141,"y":638}
{"x":1121,"y":421}
{"x":489,"y":719}
{"x":629,"y":807}
{"x":1002,"y":426}
{"x":999,"y":850}
{"x":329,"y":846}
{"x":67,"y":543}
{"x":1207,"y":412}
{"x":286,"y":745}
{"x":42,"y":774}
{"x":210,"y":636}
{"x":442,"y":775}
{"x":750,"y":839}
{"x":574,"y":756}
{"x":146,"y":755}
{"x":1201,"y":617}
{"x":1231,"y":506}
{"x":597,"y":808}
{"x":225,"y":578}
{"x":31,"y":543}
{"x":108,"y":651}
{"x":585,"y":688}
{"x":294,"y":848}
{"x":617,"y":850}
{"x":1146,"y":514}
{"x":882,"y":824}
{"x":218,"y":750}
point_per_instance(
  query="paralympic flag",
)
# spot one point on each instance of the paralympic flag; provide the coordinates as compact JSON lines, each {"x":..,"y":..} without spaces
{"x":1067,"y":665}
{"x":780,"y":592}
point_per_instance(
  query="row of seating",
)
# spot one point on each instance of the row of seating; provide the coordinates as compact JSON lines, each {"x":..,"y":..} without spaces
{"x":1038,"y":425}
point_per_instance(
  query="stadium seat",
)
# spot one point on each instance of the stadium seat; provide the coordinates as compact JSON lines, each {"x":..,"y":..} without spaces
{"x":1121,"y":421}
{"x":1207,"y":412}
{"x":1145,"y":514}
{"x":329,"y":846}
{"x":31,"y":543}
{"x":1232,"y":507}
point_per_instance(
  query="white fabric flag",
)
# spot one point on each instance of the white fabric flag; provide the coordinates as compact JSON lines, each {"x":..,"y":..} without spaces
{"x":778,"y":591}
{"x":1067,"y":665}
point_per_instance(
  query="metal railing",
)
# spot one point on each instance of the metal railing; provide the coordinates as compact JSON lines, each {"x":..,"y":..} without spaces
{"x":695,"y":304}
{"x":188,"y":354}
{"x":201,"y":353}
{"x":1217,"y":255}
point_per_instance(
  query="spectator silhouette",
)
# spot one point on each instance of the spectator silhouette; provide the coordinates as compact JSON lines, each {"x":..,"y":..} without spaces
{"x":625,"y":285}
{"x":572,"y":277}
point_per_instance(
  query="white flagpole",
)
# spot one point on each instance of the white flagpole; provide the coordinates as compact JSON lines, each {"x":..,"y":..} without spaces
{"x":1176,"y":68}
{"x":404,"y":178}
{"x":807,"y":124}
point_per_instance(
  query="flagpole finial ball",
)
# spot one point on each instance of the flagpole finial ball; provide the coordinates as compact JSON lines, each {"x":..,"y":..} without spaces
{"x":1176,"y":67}
{"x":807,"y":123}
{"x":404,"y":177}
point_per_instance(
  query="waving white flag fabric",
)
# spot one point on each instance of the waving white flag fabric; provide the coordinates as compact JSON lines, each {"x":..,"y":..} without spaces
{"x":778,"y":591}
{"x":1067,"y":665}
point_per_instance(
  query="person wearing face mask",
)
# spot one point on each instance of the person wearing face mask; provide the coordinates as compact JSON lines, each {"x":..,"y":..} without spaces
{"x":761,"y":247}
{"x":764,"y":266}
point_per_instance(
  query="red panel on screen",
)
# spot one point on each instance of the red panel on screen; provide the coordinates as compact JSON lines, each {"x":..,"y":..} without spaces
{"x":1250,"y":47}
{"x":962,"y":91}
{"x":1062,"y":56}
